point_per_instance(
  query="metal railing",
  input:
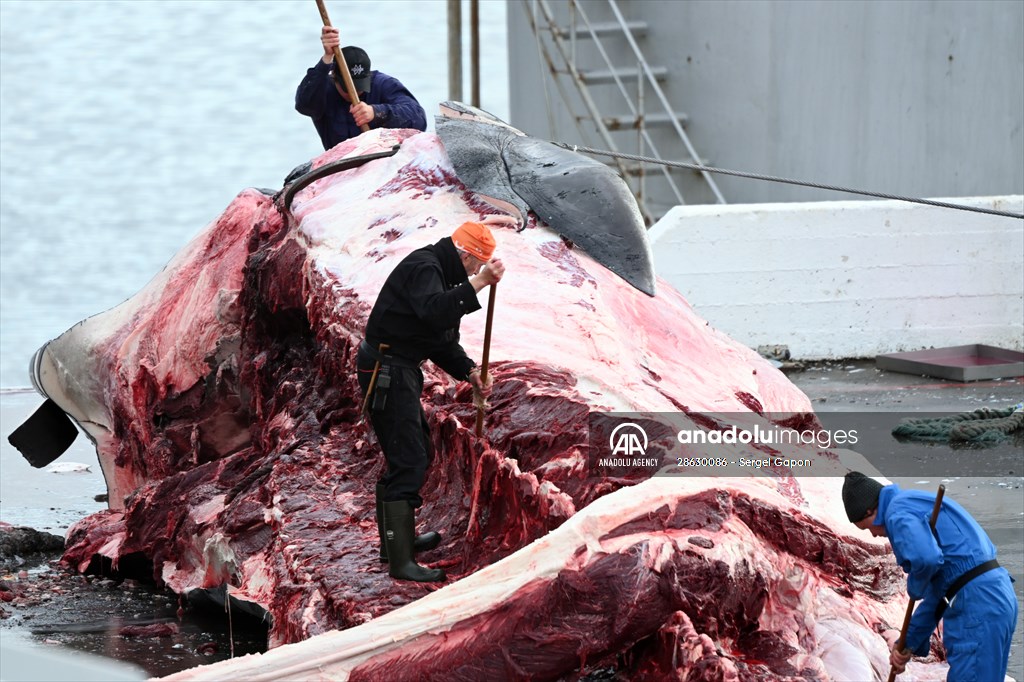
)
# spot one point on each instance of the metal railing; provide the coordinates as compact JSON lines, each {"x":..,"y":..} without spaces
{"x":562,"y":41}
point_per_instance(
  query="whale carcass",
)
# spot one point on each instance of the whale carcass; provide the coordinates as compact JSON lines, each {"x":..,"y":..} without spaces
{"x":226,"y":417}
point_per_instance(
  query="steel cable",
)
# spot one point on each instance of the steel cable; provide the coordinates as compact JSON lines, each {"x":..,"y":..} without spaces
{"x":774,"y":178}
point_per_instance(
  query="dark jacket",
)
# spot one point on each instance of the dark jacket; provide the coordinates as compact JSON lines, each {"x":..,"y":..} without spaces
{"x":420,"y":307}
{"x":393,"y":105}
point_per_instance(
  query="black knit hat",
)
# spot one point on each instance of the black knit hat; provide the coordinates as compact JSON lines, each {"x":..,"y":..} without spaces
{"x":860,"y":495}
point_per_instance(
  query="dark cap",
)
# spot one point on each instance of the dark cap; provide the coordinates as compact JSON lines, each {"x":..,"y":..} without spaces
{"x":860,"y":495}
{"x":358,"y":66}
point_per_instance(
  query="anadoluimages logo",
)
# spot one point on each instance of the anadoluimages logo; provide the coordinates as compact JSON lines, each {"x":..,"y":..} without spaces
{"x":628,"y":439}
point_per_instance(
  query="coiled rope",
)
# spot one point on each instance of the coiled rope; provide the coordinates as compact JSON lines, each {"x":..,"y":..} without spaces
{"x":984,"y":425}
{"x":789,"y":181}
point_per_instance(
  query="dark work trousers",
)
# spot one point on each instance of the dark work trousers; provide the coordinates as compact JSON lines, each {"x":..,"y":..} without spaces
{"x":401,"y":429}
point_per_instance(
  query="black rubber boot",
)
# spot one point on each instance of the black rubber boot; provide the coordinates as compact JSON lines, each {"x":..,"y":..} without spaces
{"x":422,"y":543}
{"x":399,"y":528}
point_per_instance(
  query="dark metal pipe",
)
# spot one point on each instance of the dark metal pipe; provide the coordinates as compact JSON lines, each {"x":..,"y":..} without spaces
{"x":455,"y":50}
{"x":474,"y":52}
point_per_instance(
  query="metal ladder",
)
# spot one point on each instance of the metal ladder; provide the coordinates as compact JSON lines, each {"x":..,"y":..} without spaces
{"x":555,"y":40}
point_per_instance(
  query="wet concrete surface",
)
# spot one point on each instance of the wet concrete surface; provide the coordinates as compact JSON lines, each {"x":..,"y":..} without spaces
{"x":53,"y":608}
{"x":50,"y":613}
{"x":856,"y":385}
{"x":149,"y":627}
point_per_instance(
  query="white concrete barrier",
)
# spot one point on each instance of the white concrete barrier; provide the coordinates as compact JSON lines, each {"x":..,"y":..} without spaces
{"x":844,"y":279}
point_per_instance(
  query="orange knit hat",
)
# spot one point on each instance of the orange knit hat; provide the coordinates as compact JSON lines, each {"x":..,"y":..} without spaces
{"x":475,"y":239}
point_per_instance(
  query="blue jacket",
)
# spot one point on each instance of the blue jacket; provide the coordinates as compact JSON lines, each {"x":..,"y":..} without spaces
{"x":393,"y":105}
{"x":931,"y":565}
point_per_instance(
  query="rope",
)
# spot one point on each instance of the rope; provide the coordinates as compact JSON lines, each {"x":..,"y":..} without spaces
{"x":981,"y":425}
{"x":774,"y":178}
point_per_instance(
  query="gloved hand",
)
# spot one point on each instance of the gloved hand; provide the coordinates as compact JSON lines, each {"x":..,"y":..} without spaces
{"x":481,"y":388}
{"x":481,"y":385}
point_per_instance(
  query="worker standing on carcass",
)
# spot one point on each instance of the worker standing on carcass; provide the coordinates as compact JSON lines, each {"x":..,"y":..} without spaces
{"x":416,"y":318}
{"x":383,"y":101}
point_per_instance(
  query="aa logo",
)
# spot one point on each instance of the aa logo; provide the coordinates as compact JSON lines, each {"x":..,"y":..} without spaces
{"x":628,"y":439}
{"x":357,"y":69}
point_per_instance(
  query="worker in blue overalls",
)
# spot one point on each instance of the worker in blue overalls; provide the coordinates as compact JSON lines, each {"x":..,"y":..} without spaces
{"x":953,"y":572}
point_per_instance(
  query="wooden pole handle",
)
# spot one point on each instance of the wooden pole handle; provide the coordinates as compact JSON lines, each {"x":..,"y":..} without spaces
{"x":350,"y":87}
{"x":373,"y":379}
{"x":910,"y":607}
{"x":486,"y":356}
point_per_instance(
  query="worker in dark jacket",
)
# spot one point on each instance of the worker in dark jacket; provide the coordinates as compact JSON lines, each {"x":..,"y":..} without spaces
{"x":384,"y":101}
{"x":953,"y":572}
{"x":416,"y":318}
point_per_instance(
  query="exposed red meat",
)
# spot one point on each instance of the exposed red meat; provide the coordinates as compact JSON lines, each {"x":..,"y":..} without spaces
{"x":226,"y":417}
